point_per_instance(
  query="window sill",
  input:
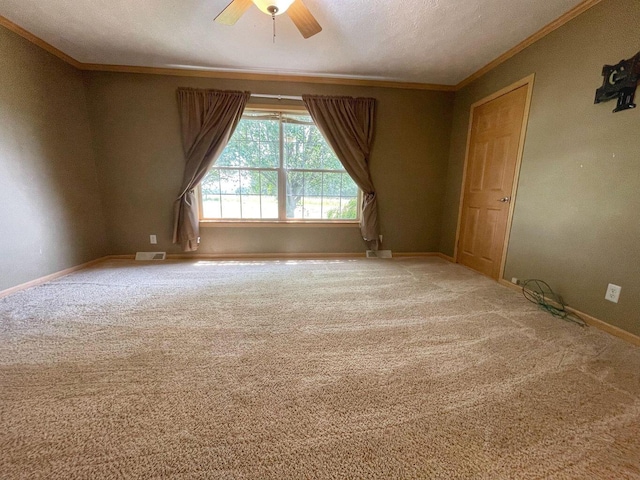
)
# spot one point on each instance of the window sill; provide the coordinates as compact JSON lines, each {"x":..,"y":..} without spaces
{"x":278,"y":224}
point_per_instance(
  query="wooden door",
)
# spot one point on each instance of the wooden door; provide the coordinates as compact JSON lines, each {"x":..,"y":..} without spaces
{"x":494,"y":143}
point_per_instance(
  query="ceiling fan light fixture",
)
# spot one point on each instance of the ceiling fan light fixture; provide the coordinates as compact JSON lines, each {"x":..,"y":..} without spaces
{"x":266,"y":6}
{"x":296,"y":10}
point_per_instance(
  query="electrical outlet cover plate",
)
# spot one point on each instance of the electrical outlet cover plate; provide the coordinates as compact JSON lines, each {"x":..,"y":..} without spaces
{"x":613,"y":293}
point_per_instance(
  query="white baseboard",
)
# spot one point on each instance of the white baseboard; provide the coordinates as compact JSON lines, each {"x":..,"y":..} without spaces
{"x":275,"y":256}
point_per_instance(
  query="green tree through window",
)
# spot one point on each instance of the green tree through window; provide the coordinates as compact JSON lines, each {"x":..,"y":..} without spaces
{"x":277,"y":166}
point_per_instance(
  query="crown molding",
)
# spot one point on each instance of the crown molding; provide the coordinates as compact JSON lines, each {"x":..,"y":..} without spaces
{"x":328,"y":80}
{"x":5,"y":22}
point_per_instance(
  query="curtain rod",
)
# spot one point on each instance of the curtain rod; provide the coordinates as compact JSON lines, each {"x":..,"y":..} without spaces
{"x":277,"y":97}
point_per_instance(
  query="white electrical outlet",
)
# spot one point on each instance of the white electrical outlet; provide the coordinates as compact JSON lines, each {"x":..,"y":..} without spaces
{"x":153,"y":239}
{"x":613,"y":293}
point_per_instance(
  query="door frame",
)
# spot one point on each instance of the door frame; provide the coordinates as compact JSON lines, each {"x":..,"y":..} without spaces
{"x":528,"y":82}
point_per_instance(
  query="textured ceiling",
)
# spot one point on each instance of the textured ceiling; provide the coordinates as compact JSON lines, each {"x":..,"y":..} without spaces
{"x":426,"y":41}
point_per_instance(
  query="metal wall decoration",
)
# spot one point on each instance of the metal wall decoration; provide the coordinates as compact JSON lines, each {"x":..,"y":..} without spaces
{"x":620,"y":81}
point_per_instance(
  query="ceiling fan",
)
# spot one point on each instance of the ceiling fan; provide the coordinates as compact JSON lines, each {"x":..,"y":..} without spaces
{"x":297,"y":11}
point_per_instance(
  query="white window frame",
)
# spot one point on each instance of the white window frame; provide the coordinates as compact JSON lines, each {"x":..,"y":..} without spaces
{"x":282,"y":187}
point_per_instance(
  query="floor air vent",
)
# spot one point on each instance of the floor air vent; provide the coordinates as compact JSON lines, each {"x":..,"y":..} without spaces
{"x":151,"y":255}
{"x":379,"y":254}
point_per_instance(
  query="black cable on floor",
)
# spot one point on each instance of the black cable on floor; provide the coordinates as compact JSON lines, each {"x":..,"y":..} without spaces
{"x":540,"y":293}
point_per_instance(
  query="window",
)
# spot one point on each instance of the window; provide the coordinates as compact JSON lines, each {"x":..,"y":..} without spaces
{"x":278,"y":167}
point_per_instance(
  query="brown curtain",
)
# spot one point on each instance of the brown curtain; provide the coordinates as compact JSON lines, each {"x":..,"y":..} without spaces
{"x":347,"y":124}
{"x":209,"y":118}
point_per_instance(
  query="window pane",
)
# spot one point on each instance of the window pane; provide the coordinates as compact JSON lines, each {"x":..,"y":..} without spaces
{"x":255,"y":143}
{"x":211,"y":183}
{"x":332,"y":162}
{"x":332,"y":184}
{"x":269,"y":194}
{"x":269,"y":183}
{"x":229,"y":182}
{"x":249,"y":182}
{"x":349,"y":187}
{"x":269,"y":206}
{"x":305,"y":147}
{"x":299,"y":153}
{"x":312,"y":207}
{"x":295,"y":192}
{"x":211,"y":206}
{"x":312,"y":183}
{"x":250,"y":206}
{"x":294,"y":206}
{"x":348,"y":209}
{"x":330,"y":207}
{"x":230,"y":206}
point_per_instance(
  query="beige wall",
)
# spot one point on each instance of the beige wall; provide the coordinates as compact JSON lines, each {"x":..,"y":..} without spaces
{"x":50,"y":212}
{"x":577,"y":215}
{"x":140,"y":160}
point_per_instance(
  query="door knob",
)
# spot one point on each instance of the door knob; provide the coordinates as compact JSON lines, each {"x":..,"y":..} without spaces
{"x":504,"y":199}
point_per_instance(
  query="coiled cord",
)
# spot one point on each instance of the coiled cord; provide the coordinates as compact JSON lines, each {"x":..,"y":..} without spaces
{"x":540,"y":293}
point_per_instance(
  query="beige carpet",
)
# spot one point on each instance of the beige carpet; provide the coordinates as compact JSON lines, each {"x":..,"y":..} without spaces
{"x":404,"y":368}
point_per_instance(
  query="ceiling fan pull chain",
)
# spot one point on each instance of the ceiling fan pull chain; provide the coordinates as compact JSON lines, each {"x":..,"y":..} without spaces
{"x":273,"y":17}
{"x":272,"y":9}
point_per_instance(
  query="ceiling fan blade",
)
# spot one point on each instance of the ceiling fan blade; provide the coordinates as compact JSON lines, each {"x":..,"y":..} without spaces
{"x":301,"y":16}
{"x":233,"y":11}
